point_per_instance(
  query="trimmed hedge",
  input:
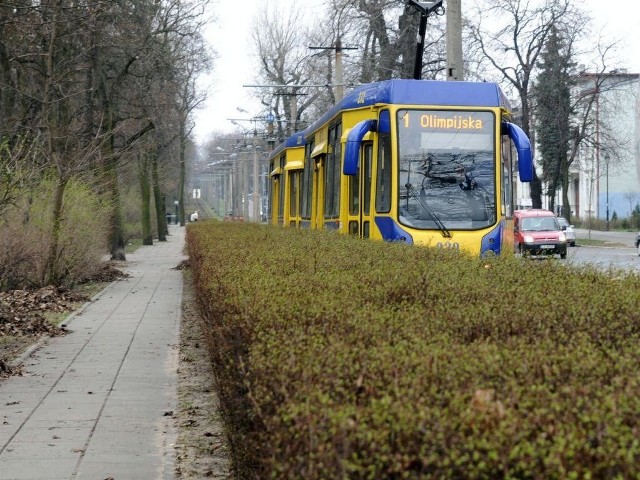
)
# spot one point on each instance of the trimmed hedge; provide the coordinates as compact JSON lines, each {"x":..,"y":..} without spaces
{"x":343,"y":358}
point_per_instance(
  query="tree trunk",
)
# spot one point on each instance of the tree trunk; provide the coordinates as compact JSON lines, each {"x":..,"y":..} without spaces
{"x":51,"y":273}
{"x":116,"y":236}
{"x":7,"y":89}
{"x":161,"y":208}
{"x":566,"y":205}
{"x":408,"y":26}
{"x":183,"y":169}
{"x":110,"y":173}
{"x":145,"y":193}
{"x":388,"y":53}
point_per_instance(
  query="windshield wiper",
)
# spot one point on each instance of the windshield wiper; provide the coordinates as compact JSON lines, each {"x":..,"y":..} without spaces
{"x":414,"y":194}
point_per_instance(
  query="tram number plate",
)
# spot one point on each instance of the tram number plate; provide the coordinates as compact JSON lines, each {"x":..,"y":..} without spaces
{"x":547,"y":247}
{"x":453,"y":245}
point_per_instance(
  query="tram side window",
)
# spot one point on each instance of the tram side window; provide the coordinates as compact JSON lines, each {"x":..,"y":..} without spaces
{"x":507,"y":183}
{"x":354,"y":184}
{"x":367,"y":159}
{"x":294,"y":180}
{"x":383,"y":174}
{"x":307,"y":179}
{"x":354,"y":193}
{"x":332,"y":173}
{"x":337,"y":155}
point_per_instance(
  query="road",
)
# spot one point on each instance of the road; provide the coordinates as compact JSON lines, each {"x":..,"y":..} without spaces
{"x":623,"y":255}
{"x":624,"y":238}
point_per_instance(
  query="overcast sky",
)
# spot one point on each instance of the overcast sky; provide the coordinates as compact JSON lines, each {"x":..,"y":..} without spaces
{"x":231,"y":37}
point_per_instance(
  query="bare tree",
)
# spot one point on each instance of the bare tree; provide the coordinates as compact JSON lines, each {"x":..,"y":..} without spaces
{"x":144,"y":175}
{"x":181,"y":51}
{"x":18,"y":169}
{"x":56,"y":65}
{"x":377,"y":50}
{"x":508,"y":37}
{"x":144,"y":83}
{"x":285,"y":62}
{"x":632,"y":198}
{"x":386,"y":30}
{"x":84,"y":83}
{"x":511,"y":44}
{"x":43,"y":84}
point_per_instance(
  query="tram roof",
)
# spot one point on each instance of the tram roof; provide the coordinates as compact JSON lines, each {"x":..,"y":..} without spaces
{"x":295,"y":140}
{"x":425,"y":92}
{"x":418,"y":92}
{"x":408,"y":92}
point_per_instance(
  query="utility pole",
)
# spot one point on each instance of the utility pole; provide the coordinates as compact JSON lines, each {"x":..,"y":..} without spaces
{"x":292,"y":125}
{"x":293,"y":105}
{"x":243,"y":159}
{"x":339,"y":93}
{"x":339,"y":84}
{"x":606,"y":159}
{"x":256,"y":184}
{"x":294,"y":112}
{"x":455,"y":66}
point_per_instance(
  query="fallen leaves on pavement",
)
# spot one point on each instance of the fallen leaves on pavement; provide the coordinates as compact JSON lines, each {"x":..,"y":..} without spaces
{"x":23,"y":313}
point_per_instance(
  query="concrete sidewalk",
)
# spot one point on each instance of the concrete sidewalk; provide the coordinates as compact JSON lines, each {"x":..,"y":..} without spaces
{"x":98,"y":402}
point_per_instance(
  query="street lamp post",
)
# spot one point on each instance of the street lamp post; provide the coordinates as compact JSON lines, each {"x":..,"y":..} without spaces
{"x":252,"y":171}
{"x":606,"y":159}
{"x":425,"y":7}
{"x":256,"y":185}
{"x":244,"y":182}
{"x":236,"y":182}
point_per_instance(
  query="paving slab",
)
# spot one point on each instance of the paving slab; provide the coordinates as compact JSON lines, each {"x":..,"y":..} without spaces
{"x":98,"y":402}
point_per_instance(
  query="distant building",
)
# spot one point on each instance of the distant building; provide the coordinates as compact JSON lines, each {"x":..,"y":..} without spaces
{"x":607,"y":172}
{"x":605,"y":177}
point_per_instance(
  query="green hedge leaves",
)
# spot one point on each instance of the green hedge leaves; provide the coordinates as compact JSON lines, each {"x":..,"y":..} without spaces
{"x":344,"y":358}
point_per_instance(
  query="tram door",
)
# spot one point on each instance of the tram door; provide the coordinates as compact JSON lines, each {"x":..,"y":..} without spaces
{"x":360,"y":194}
{"x":275,"y":191}
{"x":293,"y":193}
{"x":318,"y":193}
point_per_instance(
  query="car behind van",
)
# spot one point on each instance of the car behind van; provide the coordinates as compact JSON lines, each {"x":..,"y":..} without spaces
{"x":569,"y":231}
{"x":537,"y":232}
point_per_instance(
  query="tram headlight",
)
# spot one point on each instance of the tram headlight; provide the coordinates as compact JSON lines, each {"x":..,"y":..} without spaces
{"x":528,"y":239}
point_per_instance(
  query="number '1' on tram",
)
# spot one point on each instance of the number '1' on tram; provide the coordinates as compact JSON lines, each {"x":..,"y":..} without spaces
{"x":417,"y":161}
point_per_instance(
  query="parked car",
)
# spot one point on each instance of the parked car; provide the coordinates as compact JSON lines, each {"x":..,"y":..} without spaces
{"x":537,"y":232}
{"x":568,"y":230}
{"x":638,"y":243}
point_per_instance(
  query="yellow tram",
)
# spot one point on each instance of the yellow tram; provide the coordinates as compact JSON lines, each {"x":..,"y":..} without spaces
{"x":418,"y":161}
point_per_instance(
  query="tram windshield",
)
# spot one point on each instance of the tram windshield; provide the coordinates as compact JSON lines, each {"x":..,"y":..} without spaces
{"x":447,"y":169}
